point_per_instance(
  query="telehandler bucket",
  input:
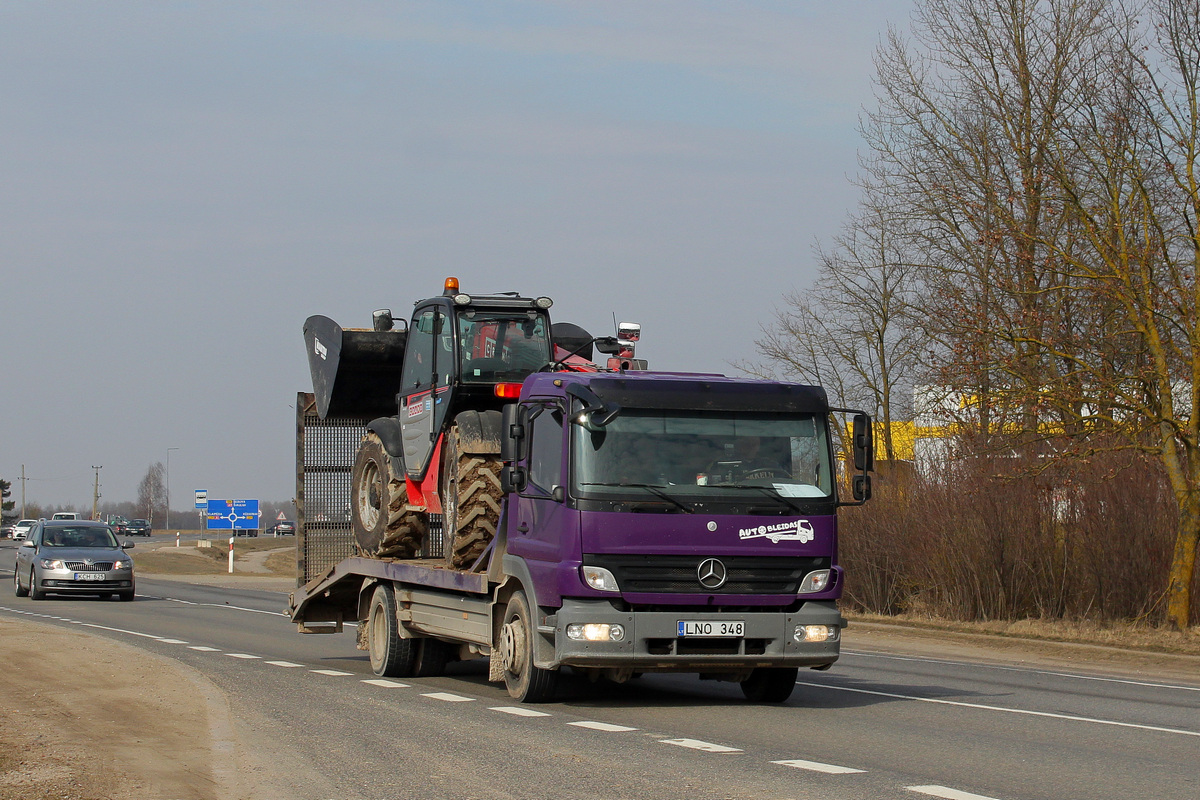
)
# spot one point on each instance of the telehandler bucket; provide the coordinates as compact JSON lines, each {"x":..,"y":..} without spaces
{"x":355,"y":371}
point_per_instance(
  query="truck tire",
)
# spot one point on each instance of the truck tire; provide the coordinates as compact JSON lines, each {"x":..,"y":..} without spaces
{"x":432,"y":657}
{"x":383,"y":525}
{"x":525,"y":681}
{"x":470,"y":501}
{"x":770,"y":684}
{"x":391,"y":655}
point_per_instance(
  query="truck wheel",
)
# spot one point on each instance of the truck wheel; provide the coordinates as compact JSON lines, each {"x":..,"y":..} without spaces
{"x":770,"y":684}
{"x":432,"y":657}
{"x":525,"y":681}
{"x":383,"y":526}
{"x":470,"y":501}
{"x":18,"y":590}
{"x":391,"y":656}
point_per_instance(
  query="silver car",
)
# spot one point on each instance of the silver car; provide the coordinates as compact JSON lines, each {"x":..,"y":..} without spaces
{"x":73,"y":557}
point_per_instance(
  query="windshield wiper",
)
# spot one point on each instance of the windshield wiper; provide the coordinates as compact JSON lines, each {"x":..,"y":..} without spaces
{"x":654,"y":490}
{"x":769,"y":494}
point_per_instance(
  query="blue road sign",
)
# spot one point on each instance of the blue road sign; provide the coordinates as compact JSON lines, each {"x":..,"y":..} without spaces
{"x":241,"y":515}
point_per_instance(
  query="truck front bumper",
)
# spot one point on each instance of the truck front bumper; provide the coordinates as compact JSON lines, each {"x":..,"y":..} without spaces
{"x":651,"y":640}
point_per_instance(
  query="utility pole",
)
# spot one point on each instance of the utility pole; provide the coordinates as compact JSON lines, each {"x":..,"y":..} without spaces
{"x":169,"y":449}
{"x":23,"y":479}
{"x":96,"y":490}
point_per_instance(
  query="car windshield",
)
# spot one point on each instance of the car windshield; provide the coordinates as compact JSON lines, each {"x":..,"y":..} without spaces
{"x":496,"y":346}
{"x":704,"y":455}
{"x":140,"y":522}
{"x":91,"y":536}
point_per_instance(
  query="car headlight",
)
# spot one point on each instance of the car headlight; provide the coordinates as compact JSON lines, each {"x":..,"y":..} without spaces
{"x":48,"y":563}
{"x":600,"y":579}
{"x":122,"y":564}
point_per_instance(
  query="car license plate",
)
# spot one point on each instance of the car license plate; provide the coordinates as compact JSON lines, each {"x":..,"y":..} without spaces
{"x":89,"y":576}
{"x":716,"y":628}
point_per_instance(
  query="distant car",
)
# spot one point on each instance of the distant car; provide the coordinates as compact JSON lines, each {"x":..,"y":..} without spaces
{"x":285,"y":527}
{"x":65,"y":515}
{"x":73,"y":557}
{"x":22,"y":528}
{"x":118,"y":524}
{"x":137,"y":527}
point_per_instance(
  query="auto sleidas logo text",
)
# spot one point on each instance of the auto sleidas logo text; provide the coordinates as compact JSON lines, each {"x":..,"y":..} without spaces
{"x":800,"y":530}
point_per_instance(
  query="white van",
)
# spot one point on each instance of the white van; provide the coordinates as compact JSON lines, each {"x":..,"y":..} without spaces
{"x":65,"y":515}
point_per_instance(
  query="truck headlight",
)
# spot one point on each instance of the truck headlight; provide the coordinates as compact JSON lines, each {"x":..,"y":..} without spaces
{"x":816,"y":633}
{"x":595,"y":632}
{"x":815,"y":581}
{"x":600,"y":579}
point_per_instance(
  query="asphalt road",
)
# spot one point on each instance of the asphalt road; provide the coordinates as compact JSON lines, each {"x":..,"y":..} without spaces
{"x":878,"y":725}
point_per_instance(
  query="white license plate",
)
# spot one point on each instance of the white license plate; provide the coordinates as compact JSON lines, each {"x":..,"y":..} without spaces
{"x":720,"y":629}
{"x":89,"y":576}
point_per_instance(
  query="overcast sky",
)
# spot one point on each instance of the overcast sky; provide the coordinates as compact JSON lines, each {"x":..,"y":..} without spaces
{"x":183,"y":183}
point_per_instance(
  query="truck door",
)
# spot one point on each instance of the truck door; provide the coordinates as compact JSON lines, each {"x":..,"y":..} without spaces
{"x":422,"y":390}
{"x":542,"y":516}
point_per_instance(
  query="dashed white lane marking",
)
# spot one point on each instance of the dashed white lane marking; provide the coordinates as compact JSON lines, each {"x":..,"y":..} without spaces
{"x":204,"y":649}
{"x":242,"y":655}
{"x":385,"y":683}
{"x":947,"y":793}
{"x":290,"y":664}
{"x":172,"y":641}
{"x":449,"y":698}
{"x":696,"y":744}
{"x":816,"y":766}
{"x":601,"y":726}
{"x":517,"y":711}
{"x":959,"y":703}
{"x":333,"y":673}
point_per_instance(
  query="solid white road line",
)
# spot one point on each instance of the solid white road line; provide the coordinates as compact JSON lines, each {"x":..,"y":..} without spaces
{"x":816,"y":766}
{"x":960,"y":704}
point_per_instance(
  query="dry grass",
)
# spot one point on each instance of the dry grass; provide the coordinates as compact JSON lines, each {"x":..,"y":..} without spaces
{"x":188,"y":559}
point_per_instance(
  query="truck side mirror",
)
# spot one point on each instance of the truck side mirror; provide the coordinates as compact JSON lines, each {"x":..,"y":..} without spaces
{"x":864,"y":444}
{"x":513,"y":424}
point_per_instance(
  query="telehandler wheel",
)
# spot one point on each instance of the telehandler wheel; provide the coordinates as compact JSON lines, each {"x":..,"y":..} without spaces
{"x":770,"y":684}
{"x":383,"y":525}
{"x":524,"y":680}
{"x":470,"y":501}
{"x":391,"y":656}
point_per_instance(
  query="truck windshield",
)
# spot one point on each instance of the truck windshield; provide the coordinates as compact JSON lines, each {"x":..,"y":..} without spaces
{"x":697,"y":455}
{"x":501,"y":346}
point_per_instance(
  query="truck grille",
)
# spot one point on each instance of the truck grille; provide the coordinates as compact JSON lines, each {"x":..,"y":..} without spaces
{"x":80,"y":566}
{"x":678,"y":574}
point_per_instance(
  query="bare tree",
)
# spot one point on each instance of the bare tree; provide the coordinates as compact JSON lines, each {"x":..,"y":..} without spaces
{"x":152,"y":492}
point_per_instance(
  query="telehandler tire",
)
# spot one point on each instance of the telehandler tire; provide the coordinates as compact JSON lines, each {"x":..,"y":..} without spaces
{"x":383,"y":525}
{"x":470,"y":500}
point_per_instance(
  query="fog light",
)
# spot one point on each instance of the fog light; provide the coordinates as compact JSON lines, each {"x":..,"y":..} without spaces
{"x":815,"y":582}
{"x":816,"y":633}
{"x":600,"y":579}
{"x":595,"y":632}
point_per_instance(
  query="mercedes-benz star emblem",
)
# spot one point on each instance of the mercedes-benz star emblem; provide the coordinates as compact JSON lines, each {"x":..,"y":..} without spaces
{"x":711,"y":573}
